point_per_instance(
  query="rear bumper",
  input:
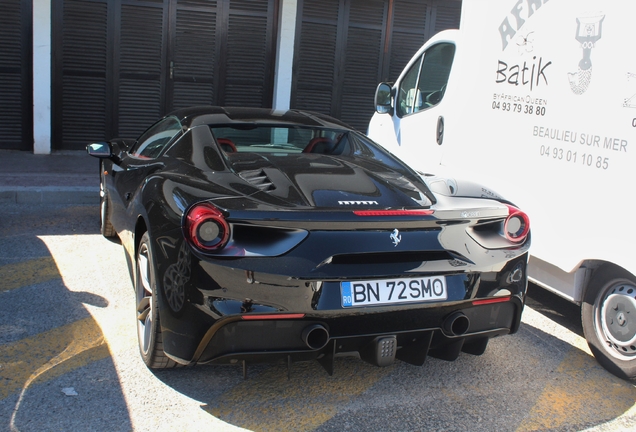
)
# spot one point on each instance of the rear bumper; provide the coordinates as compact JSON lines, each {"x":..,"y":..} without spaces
{"x":210,"y":327}
{"x":417,"y":332}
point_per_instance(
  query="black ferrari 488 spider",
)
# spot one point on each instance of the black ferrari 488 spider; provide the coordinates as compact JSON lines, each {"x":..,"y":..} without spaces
{"x":256,"y":235}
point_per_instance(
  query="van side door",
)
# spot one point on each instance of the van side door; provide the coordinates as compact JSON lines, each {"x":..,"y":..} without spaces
{"x":417,"y":118}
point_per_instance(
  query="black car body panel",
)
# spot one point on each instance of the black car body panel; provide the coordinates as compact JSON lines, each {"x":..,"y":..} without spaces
{"x":303,"y":227}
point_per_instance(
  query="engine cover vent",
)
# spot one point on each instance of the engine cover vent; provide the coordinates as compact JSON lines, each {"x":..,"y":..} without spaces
{"x":259,"y":179}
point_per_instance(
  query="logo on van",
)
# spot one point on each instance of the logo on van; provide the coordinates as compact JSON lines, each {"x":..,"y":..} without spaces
{"x":588,"y":32}
{"x":519,"y":14}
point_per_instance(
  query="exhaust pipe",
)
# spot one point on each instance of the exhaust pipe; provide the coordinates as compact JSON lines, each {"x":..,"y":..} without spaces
{"x":456,"y":324}
{"x":315,"y":336}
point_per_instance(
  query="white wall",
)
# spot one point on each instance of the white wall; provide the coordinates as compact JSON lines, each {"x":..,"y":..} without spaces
{"x":285,"y":54}
{"x":42,"y":76}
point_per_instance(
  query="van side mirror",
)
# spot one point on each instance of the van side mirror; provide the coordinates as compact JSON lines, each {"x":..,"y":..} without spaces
{"x":383,"y":95}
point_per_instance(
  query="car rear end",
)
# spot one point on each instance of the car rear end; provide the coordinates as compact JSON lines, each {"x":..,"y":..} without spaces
{"x":267,"y":284}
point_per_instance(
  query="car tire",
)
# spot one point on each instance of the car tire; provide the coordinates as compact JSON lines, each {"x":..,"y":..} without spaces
{"x":148,"y":325}
{"x":608,"y":315}
{"x":107,"y":228}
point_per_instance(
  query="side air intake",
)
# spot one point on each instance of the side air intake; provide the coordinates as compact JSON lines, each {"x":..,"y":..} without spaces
{"x":259,"y":179}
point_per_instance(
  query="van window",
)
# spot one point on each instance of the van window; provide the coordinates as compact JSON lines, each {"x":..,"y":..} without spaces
{"x":424,"y":84}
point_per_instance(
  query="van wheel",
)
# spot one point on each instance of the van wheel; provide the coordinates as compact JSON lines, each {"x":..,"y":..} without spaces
{"x":608,"y":314}
{"x":148,"y":326}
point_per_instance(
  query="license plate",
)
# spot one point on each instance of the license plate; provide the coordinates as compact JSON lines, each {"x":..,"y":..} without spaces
{"x":390,"y":291}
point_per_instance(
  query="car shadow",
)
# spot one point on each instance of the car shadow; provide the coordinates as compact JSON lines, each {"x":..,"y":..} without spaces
{"x":56,"y":370}
{"x":556,"y":308}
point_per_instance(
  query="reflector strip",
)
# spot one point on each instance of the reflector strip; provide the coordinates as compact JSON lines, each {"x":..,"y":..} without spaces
{"x":393,"y":212}
{"x":490,"y":301}
{"x":273,"y":316}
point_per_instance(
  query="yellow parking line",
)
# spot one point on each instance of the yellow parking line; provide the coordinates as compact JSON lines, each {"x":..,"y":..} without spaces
{"x":27,"y":273}
{"x":49,"y":355}
{"x":311,"y":397}
{"x":582,"y":393}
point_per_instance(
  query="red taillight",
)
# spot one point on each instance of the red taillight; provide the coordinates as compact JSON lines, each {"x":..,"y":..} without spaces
{"x":517,"y":225}
{"x":393,"y":212}
{"x":206,"y":227}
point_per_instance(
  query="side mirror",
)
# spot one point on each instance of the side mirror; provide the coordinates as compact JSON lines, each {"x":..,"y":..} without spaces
{"x":99,"y":150}
{"x":383,"y":103}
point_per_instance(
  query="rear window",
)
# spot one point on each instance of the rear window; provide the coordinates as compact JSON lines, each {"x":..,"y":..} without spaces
{"x":281,"y":139}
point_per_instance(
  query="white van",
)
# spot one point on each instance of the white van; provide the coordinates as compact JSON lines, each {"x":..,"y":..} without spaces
{"x":537,"y":99}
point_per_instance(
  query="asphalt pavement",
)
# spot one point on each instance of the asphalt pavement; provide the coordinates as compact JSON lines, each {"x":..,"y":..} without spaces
{"x":68,"y":177}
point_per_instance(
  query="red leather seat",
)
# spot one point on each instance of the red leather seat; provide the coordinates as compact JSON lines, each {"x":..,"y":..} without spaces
{"x":226,"y":145}
{"x":319,"y":145}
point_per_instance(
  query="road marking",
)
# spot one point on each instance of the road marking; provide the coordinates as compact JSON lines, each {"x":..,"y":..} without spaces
{"x":582,"y":393}
{"x":270,"y":401}
{"x":28,"y":273}
{"x":49,"y":355}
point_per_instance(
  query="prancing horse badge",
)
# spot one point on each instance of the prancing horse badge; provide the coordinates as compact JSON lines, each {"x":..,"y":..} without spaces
{"x":396,"y":238}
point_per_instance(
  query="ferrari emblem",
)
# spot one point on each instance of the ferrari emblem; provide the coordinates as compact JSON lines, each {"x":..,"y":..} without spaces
{"x":396,"y":238}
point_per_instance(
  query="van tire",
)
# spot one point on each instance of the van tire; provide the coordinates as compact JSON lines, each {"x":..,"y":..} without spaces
{"x":611,"y":334}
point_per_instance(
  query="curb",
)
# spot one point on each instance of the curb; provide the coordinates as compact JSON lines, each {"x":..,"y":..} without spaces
{"x":49,"y":195}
